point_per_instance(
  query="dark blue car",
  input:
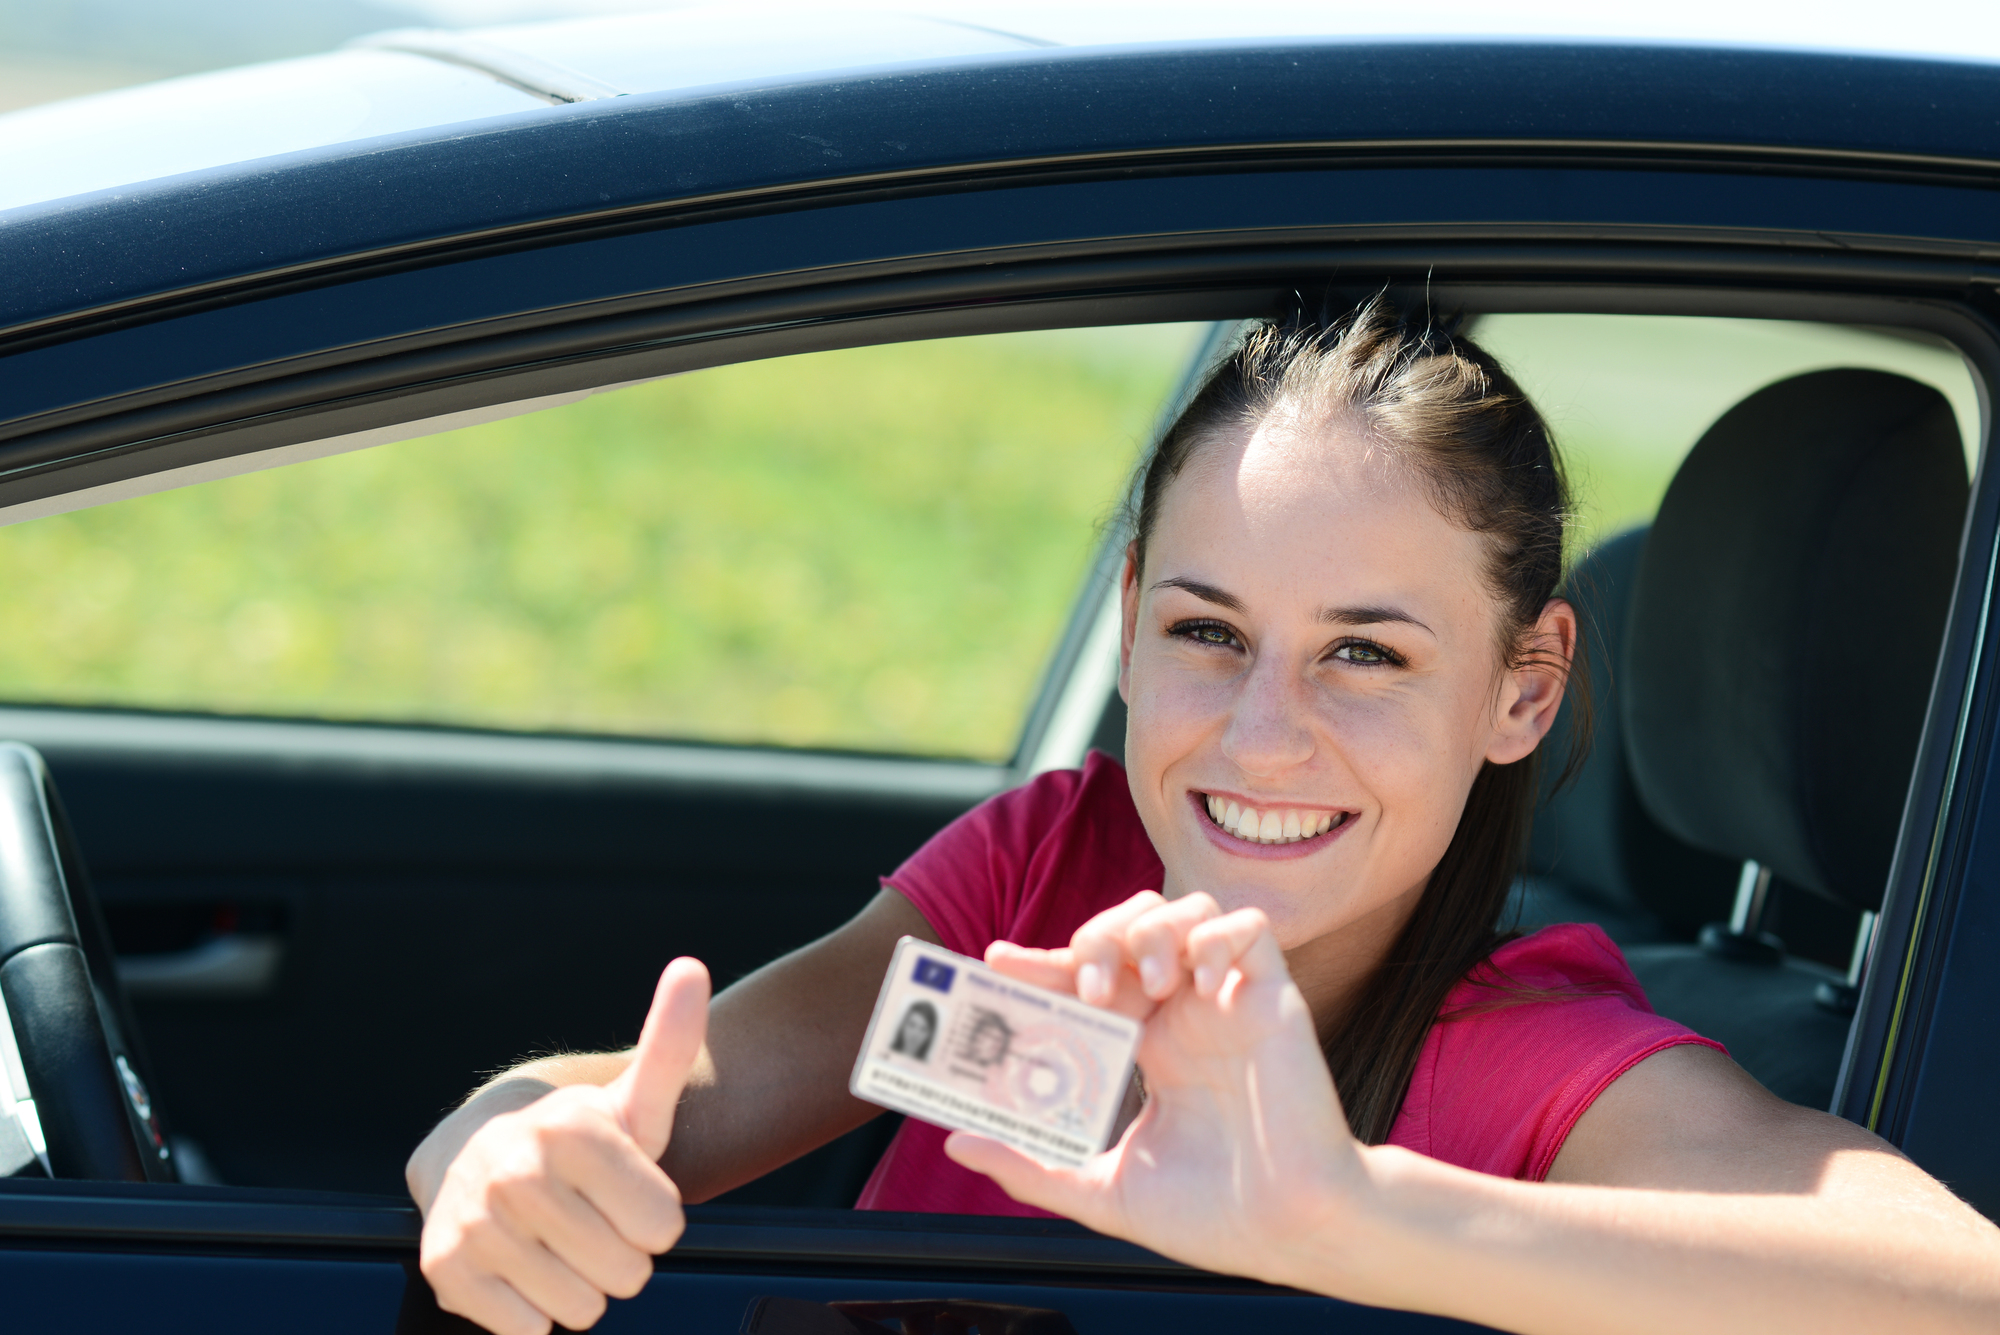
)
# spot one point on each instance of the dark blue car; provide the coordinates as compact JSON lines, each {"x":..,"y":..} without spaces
{"x":258,"y":930}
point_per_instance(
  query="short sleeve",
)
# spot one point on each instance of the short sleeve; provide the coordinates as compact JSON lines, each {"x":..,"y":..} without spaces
{"x":1521,"y":1052}
{"x":970,"y":878}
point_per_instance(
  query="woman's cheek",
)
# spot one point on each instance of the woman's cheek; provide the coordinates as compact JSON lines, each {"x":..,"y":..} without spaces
{"x":1406,"y":757}
{"x":1171,"y":711}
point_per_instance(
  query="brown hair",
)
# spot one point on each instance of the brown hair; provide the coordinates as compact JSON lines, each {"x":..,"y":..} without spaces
{"x":1438,"y":401}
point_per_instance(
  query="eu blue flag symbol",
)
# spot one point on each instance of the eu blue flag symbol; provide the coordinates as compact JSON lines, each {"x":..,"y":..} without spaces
{"x":932,"y":973}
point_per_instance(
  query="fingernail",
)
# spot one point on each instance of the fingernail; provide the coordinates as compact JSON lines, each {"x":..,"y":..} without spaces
{"x":1206,"y":979}
{"x":1151,"y":974}
{"x":1091,"y":984}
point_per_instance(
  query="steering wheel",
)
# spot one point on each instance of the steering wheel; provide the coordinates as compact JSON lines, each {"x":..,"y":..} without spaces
{"x":69,"y":1078}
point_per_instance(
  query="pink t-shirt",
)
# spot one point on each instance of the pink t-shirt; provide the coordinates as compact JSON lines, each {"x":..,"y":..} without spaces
{"x":1496,"y":1089}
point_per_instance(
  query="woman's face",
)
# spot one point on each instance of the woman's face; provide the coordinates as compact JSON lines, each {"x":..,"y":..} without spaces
{"x":1311,"y":640}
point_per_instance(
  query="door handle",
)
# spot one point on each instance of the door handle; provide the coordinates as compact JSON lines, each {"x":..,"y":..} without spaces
{"x":233,"y":965}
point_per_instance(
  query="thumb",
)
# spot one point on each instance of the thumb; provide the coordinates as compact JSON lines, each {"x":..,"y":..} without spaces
{"x":1063,"y":1191}
{"x":650,"y":1089}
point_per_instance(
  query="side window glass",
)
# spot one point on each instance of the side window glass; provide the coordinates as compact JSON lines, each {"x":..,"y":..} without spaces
{"x":872,"y":549}
{"x":1629,"y":395}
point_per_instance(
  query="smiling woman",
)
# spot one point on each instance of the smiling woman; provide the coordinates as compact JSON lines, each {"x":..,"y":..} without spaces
{"x":870,"y":549}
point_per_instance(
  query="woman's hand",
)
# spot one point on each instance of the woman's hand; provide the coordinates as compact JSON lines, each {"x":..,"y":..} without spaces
{"x":546,"y":1210}
{"x":1241,"y":1150}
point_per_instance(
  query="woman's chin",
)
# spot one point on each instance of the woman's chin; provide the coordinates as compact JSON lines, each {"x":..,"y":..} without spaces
{"x":1296,"y":916}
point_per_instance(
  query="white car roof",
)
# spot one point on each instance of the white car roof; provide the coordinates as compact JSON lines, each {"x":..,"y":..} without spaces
{"x":409,"y":80}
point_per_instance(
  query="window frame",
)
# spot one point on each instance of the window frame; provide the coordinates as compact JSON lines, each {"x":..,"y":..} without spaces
{"x":992,"y":262}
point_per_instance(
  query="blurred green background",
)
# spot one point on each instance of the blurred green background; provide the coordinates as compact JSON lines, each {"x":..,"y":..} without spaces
{"x":1628,"y":395}
{"x":871,"y":549}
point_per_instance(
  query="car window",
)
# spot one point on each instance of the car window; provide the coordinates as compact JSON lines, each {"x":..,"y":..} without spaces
{"x":1629,"y":395}
{"x":872,"y":548}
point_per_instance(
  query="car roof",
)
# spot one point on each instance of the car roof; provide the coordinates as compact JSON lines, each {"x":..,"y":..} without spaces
{"x":414,"y":137}
{"x":411,"y":79}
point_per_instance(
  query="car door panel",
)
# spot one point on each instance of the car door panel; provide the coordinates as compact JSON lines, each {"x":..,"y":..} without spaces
{"x":432,"y":924}
{"x":347,"y":1264}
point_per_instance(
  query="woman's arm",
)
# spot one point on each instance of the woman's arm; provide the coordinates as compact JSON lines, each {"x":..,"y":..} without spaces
{"x":1690,"y":1198}
{"x":1709,"y":1204}
{"x":540,"y":1195}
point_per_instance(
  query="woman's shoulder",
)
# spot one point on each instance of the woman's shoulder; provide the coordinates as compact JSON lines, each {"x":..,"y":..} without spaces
{"x":1574,"y":957}
{"x":1024,"y":863}
{"x":1052,"y":808}
{"x":1522,"y":1048}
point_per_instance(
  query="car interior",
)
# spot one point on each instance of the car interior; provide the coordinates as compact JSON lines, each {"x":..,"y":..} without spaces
{"x":342,"y":890}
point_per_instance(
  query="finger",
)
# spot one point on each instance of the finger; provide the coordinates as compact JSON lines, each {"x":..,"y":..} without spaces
{"x":646,"y":1095}
{"x":579,"y":1236}
{"x":533,"y":1272}
{"x":490,"y":1302}
{"x":1155,"y":941}
{"x":1053,"y":969}
{"x":1239,"y":942}
{"x":1099,"y":948}
{"x":1032,"y":1183}
{"x":630,"y":1191}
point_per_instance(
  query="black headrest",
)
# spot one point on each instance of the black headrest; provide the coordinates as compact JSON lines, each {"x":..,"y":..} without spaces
{"x":1785,"y":624}
{"x":1577,"y":827}
{"x":1593,"y":835}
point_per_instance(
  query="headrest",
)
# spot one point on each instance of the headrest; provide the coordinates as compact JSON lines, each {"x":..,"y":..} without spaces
{"x":1785,"y":623}
{"x":1577,"y":827}
{"x":1593,"y":835}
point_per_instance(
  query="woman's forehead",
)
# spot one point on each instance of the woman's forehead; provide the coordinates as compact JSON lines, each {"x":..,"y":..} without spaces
{"x":1332,"y":516}
{"x":1277,"y":485}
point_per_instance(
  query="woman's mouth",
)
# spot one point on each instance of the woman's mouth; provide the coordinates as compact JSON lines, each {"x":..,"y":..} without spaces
{"x":1272,"y":824}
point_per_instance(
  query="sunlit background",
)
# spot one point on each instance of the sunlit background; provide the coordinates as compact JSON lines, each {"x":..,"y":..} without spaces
{"x":872,"y":549}
{"x":52,"y":49}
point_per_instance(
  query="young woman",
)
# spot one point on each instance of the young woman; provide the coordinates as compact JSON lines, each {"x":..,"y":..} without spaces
{"x":1341,"y":649}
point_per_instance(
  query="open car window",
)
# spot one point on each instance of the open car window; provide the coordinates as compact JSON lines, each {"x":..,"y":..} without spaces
{"x":875,"y":548}
{"x":1629,"y":395}
{"x":869,"y":549}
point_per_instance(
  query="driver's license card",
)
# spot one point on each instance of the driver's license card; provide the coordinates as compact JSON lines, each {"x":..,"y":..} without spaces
{"x":955,"y":1043}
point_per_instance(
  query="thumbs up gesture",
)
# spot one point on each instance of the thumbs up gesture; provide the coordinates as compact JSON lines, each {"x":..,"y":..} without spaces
{"x":549,"y":1200}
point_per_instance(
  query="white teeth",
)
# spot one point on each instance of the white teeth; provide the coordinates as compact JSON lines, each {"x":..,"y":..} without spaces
{"x":1268,"y":827}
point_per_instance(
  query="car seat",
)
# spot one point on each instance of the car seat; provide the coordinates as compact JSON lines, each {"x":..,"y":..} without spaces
{"x":1596,"y":855}
{"x":1785,"y":619}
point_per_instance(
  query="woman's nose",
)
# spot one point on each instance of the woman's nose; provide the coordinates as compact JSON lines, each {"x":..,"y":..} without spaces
{"x":1269,"y":727}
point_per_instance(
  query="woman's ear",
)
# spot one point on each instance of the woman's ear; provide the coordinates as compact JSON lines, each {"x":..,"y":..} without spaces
{"x":1128,"y":603}
{"x":1532,"y":692}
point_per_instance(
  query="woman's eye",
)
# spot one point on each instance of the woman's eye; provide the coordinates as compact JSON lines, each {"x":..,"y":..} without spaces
{"x":1205,"y":632}
{"x":1369,"y":654}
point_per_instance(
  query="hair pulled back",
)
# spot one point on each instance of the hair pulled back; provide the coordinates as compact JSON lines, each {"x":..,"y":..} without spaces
{"x":1437,"y":403}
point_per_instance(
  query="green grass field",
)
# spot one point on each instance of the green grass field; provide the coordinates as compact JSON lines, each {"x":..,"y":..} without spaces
{"x":872,"y":548}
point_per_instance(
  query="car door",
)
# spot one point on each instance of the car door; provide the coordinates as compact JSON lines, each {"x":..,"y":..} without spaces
{"x":1152,"y":193}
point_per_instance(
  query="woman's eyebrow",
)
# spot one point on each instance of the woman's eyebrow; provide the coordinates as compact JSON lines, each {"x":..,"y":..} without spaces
{"x":1371,"y":616}
{"x":1208,"y":593}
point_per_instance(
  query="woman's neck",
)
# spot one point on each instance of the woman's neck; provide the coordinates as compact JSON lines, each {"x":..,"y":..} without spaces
{"x":1332,"y":970}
